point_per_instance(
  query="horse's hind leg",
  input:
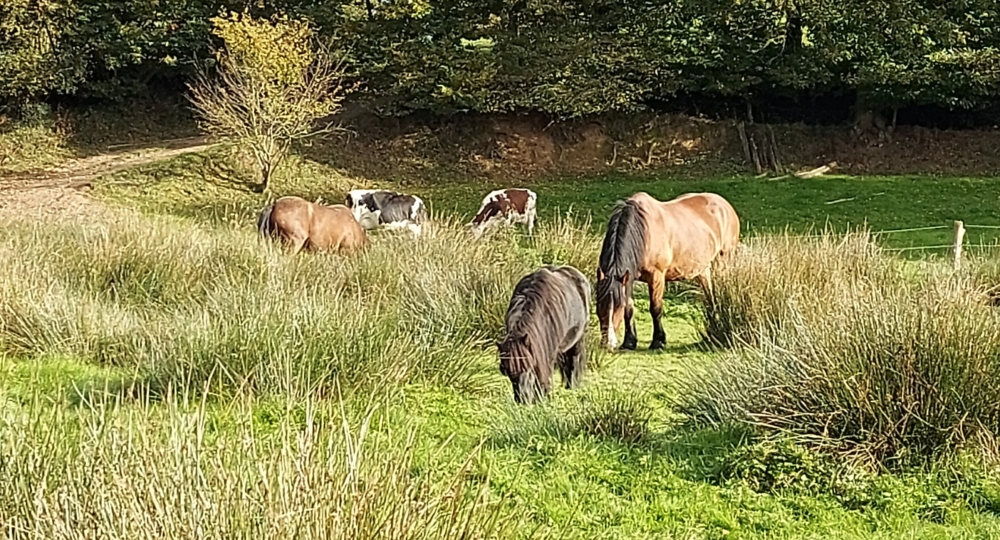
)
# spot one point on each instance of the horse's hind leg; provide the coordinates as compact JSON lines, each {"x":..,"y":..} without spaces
{"x":656,"y":286}
{"x":295,"y":243}
{"x":705,"y":282}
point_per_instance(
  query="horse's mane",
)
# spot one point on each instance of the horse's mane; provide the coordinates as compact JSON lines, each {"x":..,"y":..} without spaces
{"x":535,"y":299}
{"x":622,"y":251}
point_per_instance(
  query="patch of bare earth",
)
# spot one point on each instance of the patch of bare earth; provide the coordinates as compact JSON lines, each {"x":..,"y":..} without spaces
{"x":61,"y":192}
{"x":531,"y":145}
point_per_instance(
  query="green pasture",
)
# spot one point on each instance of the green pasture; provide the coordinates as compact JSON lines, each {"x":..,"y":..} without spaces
{"x":205,"y":188}
{"x":612,"y":460}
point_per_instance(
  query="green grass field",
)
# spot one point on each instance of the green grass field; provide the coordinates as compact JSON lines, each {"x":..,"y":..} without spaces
{"x":204,"y":188}
{"x":611,"y":460}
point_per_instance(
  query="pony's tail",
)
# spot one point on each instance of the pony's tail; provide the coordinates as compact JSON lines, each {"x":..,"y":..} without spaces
{"x":264,"y":225}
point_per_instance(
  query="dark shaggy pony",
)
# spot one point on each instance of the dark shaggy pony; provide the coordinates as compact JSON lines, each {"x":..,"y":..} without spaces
{"x":546,"y":323}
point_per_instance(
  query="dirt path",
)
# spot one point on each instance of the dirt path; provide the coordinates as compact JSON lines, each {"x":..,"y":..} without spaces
{"x":60,"y":191}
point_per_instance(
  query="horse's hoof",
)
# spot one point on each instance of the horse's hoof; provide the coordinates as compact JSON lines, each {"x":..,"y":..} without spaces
{"x":630,"y":345}
{"x":657,"y":345}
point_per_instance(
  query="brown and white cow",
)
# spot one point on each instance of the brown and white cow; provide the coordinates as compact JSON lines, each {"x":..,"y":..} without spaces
{"x":505,"y":206}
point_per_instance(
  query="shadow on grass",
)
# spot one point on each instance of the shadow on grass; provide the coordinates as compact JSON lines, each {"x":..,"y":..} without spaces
{"x":95,"y":391}
{"x":696,"y":453}
{"x":75,"y":382}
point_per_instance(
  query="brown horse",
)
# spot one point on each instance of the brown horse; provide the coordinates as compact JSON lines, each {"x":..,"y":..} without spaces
{"x":656,"y":242}
{"x":546,"y":323}
{"x":313,"y":226}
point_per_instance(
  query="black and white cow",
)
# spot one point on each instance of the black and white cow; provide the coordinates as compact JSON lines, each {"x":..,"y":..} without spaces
{"x":507,"y":206}
{"x":374,"y":207}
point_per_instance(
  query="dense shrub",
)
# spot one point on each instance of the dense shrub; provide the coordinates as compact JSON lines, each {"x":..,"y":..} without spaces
{"x":271,"y":85}
{"x":568,"y":57}
{"x":841,"y":346}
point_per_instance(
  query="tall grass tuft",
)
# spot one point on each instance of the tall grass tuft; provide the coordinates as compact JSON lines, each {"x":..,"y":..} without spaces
{"x":568,"y":240}
{"x":837,"y":344}
{"x":184,"y":304}
{"x":597,"y":413}
{"x":774,"y":280}
{"x":154,"y":472}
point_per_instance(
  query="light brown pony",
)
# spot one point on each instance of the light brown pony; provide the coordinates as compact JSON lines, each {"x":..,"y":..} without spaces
{"x":313,"y":226}
{"x":655,"y":242}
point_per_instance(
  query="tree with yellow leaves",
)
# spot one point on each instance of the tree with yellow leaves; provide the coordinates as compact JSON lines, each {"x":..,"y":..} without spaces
{"x":271,"y":85}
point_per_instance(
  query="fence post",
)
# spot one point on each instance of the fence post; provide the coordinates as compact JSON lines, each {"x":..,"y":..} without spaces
{"x":959,"y":236}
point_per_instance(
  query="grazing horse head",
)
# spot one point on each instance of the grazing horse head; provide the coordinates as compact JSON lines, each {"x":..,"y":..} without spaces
{"x":621,"y":258}
{"x":516,"y":364}
{"x":613,"y":296}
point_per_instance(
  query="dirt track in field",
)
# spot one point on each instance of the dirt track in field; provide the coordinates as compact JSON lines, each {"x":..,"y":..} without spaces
{"x":61,"y":191}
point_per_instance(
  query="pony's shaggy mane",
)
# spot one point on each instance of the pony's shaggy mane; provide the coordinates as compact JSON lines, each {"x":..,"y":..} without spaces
{"x":534,"y":310}
{"x":622,"y":251}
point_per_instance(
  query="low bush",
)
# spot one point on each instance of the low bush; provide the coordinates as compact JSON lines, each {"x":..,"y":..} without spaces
{"x":842,"y":348}
{"x":777,"y":464}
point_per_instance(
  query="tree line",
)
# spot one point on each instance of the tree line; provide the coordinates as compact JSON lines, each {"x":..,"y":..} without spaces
{"x":563,"y":57}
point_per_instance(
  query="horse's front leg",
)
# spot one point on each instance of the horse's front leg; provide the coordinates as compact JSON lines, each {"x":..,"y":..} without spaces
{"x":544,"y":376}
{"x":656,"y":286}
{"x":573,"y":363}
{"x":631,"y":340}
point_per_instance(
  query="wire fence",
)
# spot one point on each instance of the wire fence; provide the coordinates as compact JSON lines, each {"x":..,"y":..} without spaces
{"x":956,"y":246}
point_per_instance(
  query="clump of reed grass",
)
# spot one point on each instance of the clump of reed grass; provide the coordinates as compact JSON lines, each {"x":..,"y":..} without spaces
{"x":568,"y":240}
{"x":599,"y":413}
{"x":838,"y":345}
{"x":772,"y":280}
{"x":183,"y":303}
{"x":166,"y":472}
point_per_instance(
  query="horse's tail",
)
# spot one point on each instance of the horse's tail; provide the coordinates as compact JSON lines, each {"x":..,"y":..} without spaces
{"x":421,"y":215}
{"x":623,"y":249}
{"x":264,"y":225}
